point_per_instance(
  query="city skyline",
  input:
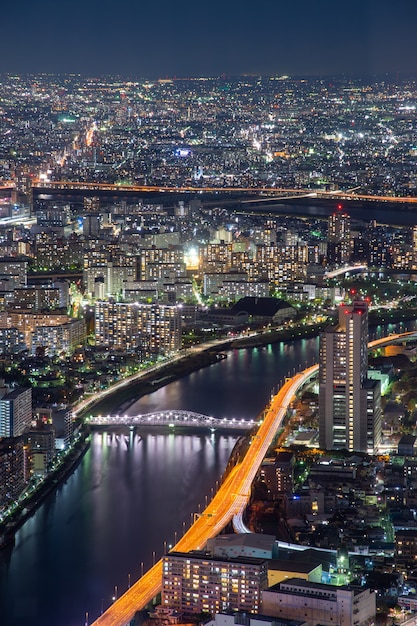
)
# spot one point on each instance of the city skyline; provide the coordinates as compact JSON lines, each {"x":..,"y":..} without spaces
{"x":161,"y":40}
{"x":145,"y":236}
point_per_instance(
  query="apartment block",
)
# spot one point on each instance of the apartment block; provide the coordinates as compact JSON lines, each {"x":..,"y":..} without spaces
{"x":195,"y":582}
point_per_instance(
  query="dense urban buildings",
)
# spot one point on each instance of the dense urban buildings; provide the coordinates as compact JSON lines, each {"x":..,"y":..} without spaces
{"x":101,"y":278}
{"x":275,"y":131}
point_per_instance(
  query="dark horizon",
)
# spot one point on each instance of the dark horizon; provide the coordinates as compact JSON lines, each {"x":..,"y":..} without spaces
{"x":196,"y":39}
{"x":341,"y":77}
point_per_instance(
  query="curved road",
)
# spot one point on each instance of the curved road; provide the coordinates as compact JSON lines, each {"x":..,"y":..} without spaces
{"x":230,"y":499}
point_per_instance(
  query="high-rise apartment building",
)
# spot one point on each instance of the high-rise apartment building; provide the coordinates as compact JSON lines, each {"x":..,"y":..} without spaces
{"x":414,"y":246}
{"x":16,"y":268}
{"x":162,"y":327}
{"x":92,"y":204}
{"x":157,"y":263}
{"x":13,"y":469}
{"x":339,"y":238}
{"x":216,"y":257}
{"x":59,"y":339}
{"x":278,"y":473}
{"x":116,"y":325}
{"x":154,"y":328}
{"x":28,"y":323}
{"x":349,"y":403}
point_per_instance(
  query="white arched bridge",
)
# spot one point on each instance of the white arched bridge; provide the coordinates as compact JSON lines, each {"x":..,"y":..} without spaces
{"x":170,"y":419}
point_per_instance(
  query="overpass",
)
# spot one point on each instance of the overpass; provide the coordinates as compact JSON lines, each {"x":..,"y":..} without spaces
{"x":275,"y":193}
{"x":170,"y":419}
{"x":345,"y":270}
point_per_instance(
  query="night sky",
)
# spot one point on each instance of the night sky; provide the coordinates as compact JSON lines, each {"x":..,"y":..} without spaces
{"x":160,"y":38}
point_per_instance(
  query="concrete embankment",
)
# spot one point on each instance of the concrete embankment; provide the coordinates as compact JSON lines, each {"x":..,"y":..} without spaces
{"x":149,"y":383}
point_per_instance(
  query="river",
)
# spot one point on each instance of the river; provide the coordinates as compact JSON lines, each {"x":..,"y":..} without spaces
{"x":126,"y":498}
{"x":124,"y":501}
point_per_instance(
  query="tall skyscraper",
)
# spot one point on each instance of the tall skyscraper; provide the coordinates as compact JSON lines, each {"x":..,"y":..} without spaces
{"x":15,"y":412}
{"x":349,"y":403}
{"x":338,"y":238}
{"x":414,"y":247}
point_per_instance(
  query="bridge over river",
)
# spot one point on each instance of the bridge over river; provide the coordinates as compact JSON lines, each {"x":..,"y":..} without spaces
{"x":171,"y":419}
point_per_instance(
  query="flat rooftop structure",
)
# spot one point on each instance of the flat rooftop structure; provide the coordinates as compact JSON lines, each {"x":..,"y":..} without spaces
{"x":291,"y":565}
{"x":301,"y":587}
{"x":205,"y":556}
{"x":247,"y":540}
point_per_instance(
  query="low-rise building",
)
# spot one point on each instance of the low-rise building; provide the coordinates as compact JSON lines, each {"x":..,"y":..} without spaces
{"x":317,"y":603}
{"x":242,"y":619}
{"x":280,"y":570}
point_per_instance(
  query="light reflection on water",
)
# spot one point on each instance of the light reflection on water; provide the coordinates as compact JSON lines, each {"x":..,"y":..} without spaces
{"x":238,"y":386}
{"x":118,"y":508}
{"x":124,"y":501}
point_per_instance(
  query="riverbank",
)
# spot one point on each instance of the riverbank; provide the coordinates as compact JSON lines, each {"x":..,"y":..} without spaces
{"x":276,"y":336}
{"x":376,"y":318}
{"x":386,"y":316}
{"x":147,"y":384}
{"x":28,"y":505}
{"x":192,"y":361}
{"x":152,"y":381}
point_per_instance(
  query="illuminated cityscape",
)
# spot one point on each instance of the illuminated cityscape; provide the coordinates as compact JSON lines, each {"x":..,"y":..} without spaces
{"x":252,"y":132}
{"x":152,"y":231}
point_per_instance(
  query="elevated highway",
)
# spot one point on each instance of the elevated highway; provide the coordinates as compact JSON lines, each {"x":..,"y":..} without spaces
{"x":273,"y":192}
{"x":230,"y":499}
{"x":345,"y":270}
